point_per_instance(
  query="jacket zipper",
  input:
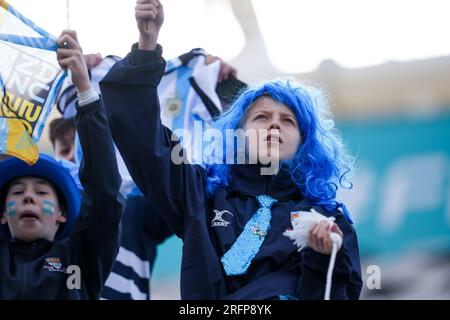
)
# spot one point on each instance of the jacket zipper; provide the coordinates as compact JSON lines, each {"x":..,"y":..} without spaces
{"x":26,"y":274}
{"x":22,"y":280}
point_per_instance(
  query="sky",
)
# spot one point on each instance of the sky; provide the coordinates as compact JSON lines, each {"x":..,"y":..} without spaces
{"x":298,"y":34}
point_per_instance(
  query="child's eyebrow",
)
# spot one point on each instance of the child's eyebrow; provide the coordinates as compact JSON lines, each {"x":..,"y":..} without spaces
{"x":17,"y":183}
{"x":43,"y":182}
{"x":262,"y":111}
{"x":288,"y":115}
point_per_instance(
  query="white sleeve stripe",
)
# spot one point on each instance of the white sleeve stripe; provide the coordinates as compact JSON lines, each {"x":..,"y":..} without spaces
{"x":130,"y":259}
{"x":123,"y":285}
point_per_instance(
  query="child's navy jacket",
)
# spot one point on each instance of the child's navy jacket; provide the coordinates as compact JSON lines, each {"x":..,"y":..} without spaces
{"x":42,"y":269}
{"x":210,"y":225}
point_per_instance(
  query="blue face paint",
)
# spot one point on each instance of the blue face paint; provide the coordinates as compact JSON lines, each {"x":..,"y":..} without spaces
{"x":11,"y":208}
{"x":48,"y":207}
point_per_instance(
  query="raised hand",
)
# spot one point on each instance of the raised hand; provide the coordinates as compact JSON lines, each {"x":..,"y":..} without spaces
{"x":149,"y":17}
{"x":70,"y":56}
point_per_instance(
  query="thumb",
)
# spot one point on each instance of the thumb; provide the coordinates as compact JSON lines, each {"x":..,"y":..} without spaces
{"x":98,"y":58}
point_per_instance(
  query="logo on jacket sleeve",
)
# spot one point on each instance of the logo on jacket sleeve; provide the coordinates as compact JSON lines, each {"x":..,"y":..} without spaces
{"x":218,"y":220}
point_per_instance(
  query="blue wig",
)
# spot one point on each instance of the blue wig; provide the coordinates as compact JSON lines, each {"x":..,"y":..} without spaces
{"x":321,"y":163}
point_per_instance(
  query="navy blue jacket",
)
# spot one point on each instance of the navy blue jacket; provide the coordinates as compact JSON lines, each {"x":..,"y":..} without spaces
{"x":178,"y":193}
{"x":30,"y":270}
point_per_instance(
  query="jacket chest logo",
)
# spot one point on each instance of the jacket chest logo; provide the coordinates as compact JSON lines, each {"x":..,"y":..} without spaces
{"x":219,"y":220}
{"x":54,"y":265}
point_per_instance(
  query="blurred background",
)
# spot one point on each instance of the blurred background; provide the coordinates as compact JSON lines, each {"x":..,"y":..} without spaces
{"x":385,"y":67}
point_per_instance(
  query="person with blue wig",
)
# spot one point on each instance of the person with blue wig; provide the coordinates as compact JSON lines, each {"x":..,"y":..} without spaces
{"x":231,"y":215}
{"x":55,"y":243}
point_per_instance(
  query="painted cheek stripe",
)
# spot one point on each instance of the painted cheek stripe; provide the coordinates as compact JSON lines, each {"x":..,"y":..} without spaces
{"x":11,"y":208}
{"x":48,"y":207}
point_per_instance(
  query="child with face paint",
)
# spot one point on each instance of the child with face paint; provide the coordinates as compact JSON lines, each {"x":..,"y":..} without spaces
{"x":33,"y":210}
{"x":55,"y":242}
{"x":232,"y":216}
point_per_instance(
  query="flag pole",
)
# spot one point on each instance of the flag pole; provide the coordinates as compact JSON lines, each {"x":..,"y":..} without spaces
{"x":68,"y":13}
{"x":69,"y":74}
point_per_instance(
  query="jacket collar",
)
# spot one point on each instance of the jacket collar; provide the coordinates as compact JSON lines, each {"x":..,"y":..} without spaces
{"x":33,"y":247}
{"x":247,"y":180}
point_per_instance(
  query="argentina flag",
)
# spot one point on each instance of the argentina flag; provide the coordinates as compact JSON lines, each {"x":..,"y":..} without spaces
{"x":30,"y":77}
